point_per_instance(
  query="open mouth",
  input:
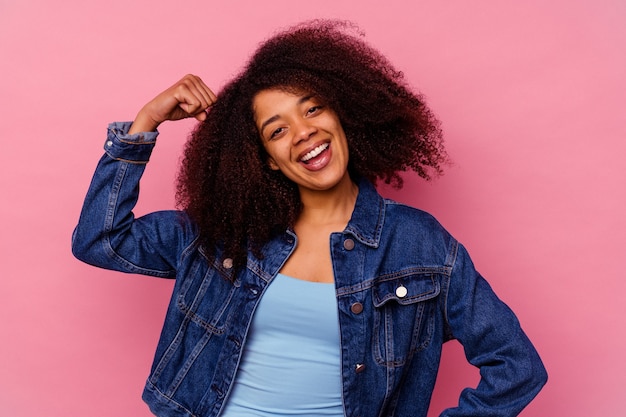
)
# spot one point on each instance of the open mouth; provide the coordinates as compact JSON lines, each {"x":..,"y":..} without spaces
{"x":314,"y":153}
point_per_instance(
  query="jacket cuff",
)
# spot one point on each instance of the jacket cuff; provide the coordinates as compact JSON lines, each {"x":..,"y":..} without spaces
{"x":135,"y":148}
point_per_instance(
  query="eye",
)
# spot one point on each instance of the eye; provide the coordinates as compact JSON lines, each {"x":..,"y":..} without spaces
{"x":276,"y":132}
{"x":313,"y":110}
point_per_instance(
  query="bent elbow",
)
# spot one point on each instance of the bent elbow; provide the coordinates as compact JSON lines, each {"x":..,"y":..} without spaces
{"x":536,"y":377}
{"x":85,"y":248}
{"x":540,"y":376}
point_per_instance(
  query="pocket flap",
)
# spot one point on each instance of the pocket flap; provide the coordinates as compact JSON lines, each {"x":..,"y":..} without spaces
{"x":406,"y":289}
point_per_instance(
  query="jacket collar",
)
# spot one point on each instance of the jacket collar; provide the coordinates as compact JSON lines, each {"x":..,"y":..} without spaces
{"x":365,"y":225}
{"x":368,"y":216}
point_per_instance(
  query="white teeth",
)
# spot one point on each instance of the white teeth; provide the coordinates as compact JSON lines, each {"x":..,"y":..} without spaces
{"x":315,"y":152}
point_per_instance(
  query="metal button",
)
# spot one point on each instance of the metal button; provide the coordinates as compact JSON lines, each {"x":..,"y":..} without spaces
{"x":348,"y":244}
{"x":227,"y":263}
{"x":356,"y":308}
{"x":109,"y":143}
{"x":360,"y":367}
{"x":401,"y":291}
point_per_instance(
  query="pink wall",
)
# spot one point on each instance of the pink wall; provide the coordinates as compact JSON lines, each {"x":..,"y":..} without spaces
{"x":532,"y":99}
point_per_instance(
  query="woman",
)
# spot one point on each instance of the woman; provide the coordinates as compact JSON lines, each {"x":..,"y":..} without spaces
{"x":299,"y":290}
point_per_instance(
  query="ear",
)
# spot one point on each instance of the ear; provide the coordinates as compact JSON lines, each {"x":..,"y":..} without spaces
{"x":273,"y":165}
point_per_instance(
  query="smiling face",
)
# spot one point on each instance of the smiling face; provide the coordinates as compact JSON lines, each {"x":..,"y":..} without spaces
{"x":303,"y":137}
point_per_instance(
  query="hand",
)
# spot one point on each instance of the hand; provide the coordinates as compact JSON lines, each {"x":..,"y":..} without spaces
{"x":189,"y":97}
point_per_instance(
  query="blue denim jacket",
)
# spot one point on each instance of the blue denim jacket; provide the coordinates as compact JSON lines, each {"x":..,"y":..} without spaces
{"x":404,"y":287}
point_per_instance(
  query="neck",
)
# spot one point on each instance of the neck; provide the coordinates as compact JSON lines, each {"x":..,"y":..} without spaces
{"x":333,"y":206}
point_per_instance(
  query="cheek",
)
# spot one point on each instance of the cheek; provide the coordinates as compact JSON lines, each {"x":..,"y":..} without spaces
{"x":272,"y":164}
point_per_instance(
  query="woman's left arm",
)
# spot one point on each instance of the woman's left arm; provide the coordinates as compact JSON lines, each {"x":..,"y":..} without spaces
{"x":511,"y":371}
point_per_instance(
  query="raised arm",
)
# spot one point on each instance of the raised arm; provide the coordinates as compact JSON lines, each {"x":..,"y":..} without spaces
{"x":108,"y":235}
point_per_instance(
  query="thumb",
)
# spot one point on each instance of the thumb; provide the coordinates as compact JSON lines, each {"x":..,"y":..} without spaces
{"x":201,"y":116}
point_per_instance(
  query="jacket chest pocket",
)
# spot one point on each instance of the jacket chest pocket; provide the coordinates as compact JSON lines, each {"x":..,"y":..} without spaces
{"x":404,"y":312}
{"x":204,"y":297}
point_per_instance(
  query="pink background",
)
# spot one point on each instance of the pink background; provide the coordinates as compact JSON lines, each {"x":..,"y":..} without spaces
{"x":531,"y":95}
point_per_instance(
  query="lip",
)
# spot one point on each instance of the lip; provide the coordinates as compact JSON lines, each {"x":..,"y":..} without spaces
{"x":312,"y":147}
{"x":318,"y":162}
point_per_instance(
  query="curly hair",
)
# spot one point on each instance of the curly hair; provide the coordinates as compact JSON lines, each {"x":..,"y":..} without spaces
{"x":225,"y":183}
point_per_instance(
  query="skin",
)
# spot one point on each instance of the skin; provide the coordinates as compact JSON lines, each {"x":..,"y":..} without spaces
{"x":290,"y":127}
{"x":189,"y":97}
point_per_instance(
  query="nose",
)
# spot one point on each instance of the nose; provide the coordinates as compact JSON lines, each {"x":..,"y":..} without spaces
{"x":303,"y":130}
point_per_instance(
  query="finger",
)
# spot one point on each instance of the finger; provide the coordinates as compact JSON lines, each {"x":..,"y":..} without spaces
{"x":191,"y":109}
{"x":211,"y":95}
{"x":203,"y":90}
{"x":192,"y":86}
{"x":190,"y":101}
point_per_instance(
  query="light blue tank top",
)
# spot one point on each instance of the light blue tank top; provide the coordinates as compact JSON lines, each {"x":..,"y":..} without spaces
{"x":291,"y":364}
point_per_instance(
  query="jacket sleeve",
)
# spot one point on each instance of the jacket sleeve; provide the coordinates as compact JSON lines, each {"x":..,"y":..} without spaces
{"x":510,"y":368}
{"x":108,"y":235}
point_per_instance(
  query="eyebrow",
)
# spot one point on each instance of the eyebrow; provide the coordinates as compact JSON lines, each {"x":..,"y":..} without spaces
{"x":276,"y":117}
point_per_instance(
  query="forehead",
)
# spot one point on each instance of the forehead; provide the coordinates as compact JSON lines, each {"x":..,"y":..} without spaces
{"x":274,"y":100}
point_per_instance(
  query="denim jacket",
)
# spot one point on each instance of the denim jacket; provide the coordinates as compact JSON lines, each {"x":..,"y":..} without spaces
{"x":404,"y":286}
